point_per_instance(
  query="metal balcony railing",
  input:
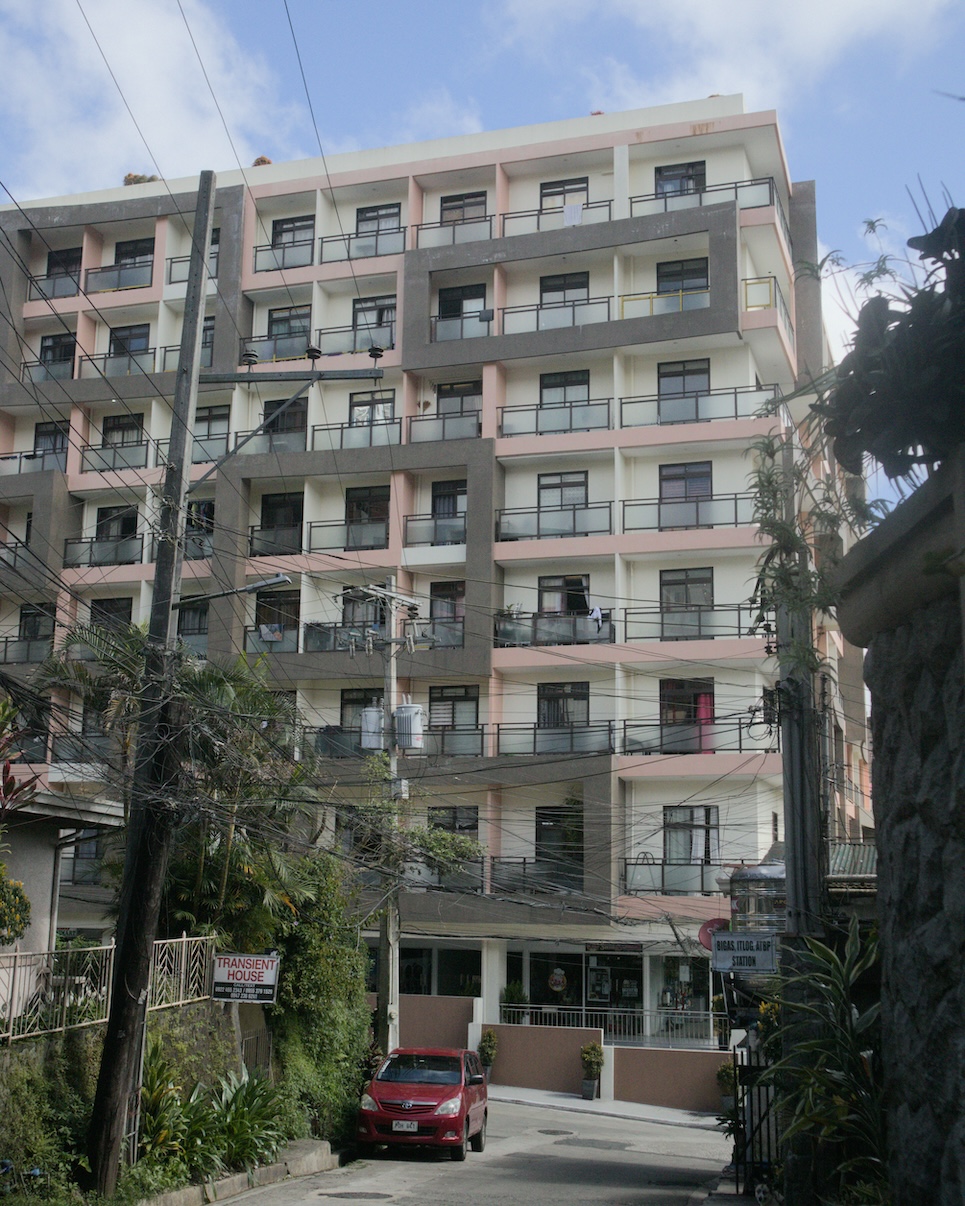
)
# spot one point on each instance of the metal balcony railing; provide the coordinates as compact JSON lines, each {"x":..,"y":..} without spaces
{"x":551,"y":316}
{"x":529,"y":221}
{"x":293,"y":440}
{"x":36,"y":372}
{"x":725,"y":735}
{"x":16,"y":555}
{"x":197,"y":642}
{"x":328,"y":437}
{"x":335,"y":248}
{"x":425,"y":429}
{"x":748,"y":194}
{"x":526,"y":875}
{"x":745,"y":402}
{"x":434,"y":530}
{"x":286,"y":255}
{"x":179,"y":267}
{"x":713,"y":621}
{"x":31,"y":462}
{"x":549,"y":523}
{"x":332,"y":741}
{"x":16,"y":651}
{"x":463,"y":326}
{"x":712,"y":511}
{"x":169,"y":356}
{"x":562,"y":417}
{"x":648,"y":305}
{"x":89,"y":748}
{"x":198,"y":546}
{"x":459,"y":742}
{"x":118,"y":364}
{"x":269,"y":348}
{"x":361,"y":338}
{"x":276,"y":541}
{"x":522,"y":630}
{"x":47,"y":288}
{"x":333,"y":637}
{"x":558,"y":739}
{"x":359,"y":534}
{"x":119,"y":276}
{"x":32,"y":747}
{"x":110,"y":458}
{"x":103,"y":550}
{"x":452,"y":234}
{"x":669,"y":1028}
{"x":203,"y":449}
{"x":646,"y":876}
{"x":764,"y":293}
{"x":271,"y":638}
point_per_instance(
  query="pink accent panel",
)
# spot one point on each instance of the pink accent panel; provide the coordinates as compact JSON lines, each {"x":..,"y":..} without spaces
{"x":434,"y":1021}
{"x":541,"y":1057}
{"x":679,"y":1080}
{"x":416,"y":203}
{"x":697,"y":766}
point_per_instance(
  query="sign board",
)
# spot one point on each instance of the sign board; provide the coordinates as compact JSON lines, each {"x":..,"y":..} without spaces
{"x":743,"y":952}
{"x":245,"y":978}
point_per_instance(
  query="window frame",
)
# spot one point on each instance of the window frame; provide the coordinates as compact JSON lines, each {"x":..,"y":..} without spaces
{"x":451,"y":695}
{"x":453,"y":208}
{"x":696,"y":370}
{"x":58,"y":348}
{"x":678,"y":179}
{"x":570,"y":380}
{"x":131,"y":340}
{"x":699,"y":835}
{"x":683,"y":276}
{"x":462,"y":391}
{"x":689,"y":478}
{"x":366,"y":215}
{"x":571,"y":288}
{"x":134,"y":253}
{"x":288,"y":231}
{"x":370,"y":406}
{"x":546,"y":482}
{"x":560,"y":698}
{"x":453,"y":296}
{"x":555,"y":194}
{"x":285,"y":322}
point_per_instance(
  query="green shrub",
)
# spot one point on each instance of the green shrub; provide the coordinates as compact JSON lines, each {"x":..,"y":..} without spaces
{"x":249,"y":1131}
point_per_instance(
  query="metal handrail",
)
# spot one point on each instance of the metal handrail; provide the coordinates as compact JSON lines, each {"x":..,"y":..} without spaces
{"x":377,"y":434}
{"x":697,"y":406}
{"x":554,"y":522}
{"x":593,"y":414}
{"x":548,"y":315}
{"x":707,"y":511}
{"x":361,"y":246}
{"x":300,"y":254}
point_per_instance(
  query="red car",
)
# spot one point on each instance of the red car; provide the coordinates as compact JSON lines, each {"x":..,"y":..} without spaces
{"x":426,"y":1096}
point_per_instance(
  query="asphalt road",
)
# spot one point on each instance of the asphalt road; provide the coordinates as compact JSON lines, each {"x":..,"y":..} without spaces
{"x":533,"y":1156}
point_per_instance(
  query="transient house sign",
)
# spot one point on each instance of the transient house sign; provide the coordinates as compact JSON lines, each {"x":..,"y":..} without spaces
{"x":743,"y":952}
{"x":245,"y":978}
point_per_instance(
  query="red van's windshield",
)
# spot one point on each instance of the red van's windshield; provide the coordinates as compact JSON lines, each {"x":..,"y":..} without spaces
{"x":422,"y":1070}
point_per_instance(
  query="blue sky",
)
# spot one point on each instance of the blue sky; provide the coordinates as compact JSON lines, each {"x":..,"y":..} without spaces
{"x":855,"y":83}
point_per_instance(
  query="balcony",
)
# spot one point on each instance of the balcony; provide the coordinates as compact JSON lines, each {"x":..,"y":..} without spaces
{"x":198,"y":546}
{"x":426,"y":429}
{"x":526,"y":875}
{"x":553,"y":523}
{"x":16,"y":555}
{"x":463,"y":326}
{"x":529,"y":221}
{"x":326,"y":535}
{"x":179,"y":266}
{"x":452,"y":234}
{"x":195,"y":642}
{"x":333,"y":637}
{"x":515,"y":631}
{"x":119,"y":276}
{"x":335,"y":248}
{"x":748,"y":194}
{"x":36,"y":372}
{"x":467,"y":877}
{"x":440,"y":634}
{"x":82,"y":748}
{"x":592,"y":415}
{"x":727,"y":735}
{"x":712,"y":511}
{"x":745,"y":402}
{"x":169,"y":356}
{"x":343,"y":340}
{"x":111,"y":458}
{"x":434,"y":530}
{"x":280,"y":541}
{"x":331,"y":437}
{"x":764,"y":293}
{"x":32,"y":462}
{"x":332,"y":741}
{"x":648,"y":305}
{"x":551,"y":316}
{"x":48,"y":288}
{"x":203,"y":449}
{"x":286,"y":255}
{"x":645,"y":877}
{"x":696,"y":623}
{"x":17,"y":651}
{"x":103,"y":550}
{"x":467,"y":742}
{"x":292,"y":440}
{"x":269,"y":348}
{"x":558,"y":739}
{"x":32,"y":747}
{"x":119,"y":364}
{"x":271,"y":638}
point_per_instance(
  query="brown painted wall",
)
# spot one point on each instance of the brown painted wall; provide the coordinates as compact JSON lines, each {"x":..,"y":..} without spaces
{"x":540,"y":1057}
{"x":434,"y":1021}
{"x":680,"y":1080}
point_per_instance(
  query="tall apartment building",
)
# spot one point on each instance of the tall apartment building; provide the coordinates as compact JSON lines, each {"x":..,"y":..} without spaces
{"x":582,"y":323}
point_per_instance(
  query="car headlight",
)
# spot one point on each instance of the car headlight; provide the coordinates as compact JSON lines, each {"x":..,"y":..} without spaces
{"x":450,"y":1107}
{"x":368,"y":1103}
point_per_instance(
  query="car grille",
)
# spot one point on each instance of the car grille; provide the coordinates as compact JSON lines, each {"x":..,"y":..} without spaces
{"x":414,"y":1107}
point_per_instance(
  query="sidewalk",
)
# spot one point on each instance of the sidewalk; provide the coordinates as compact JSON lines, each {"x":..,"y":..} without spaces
{"x":606,"y":1109}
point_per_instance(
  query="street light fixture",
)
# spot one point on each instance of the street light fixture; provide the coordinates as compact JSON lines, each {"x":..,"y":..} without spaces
{"x":277,"y":580}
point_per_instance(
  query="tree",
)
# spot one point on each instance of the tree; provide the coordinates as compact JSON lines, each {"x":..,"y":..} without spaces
{"x":14,"y":794}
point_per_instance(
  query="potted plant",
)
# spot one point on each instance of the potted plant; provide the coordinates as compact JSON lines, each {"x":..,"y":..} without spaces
{"x":591,"y":1057}
{"x":487,"y":1051}
{"x":514,"y":1002}
{"x":727,"y":1083}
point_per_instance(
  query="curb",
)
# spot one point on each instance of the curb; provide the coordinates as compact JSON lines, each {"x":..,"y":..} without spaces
{"x":302,"y":1158}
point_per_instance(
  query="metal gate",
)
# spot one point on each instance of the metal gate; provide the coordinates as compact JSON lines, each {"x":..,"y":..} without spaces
{"x":757,"y":1135}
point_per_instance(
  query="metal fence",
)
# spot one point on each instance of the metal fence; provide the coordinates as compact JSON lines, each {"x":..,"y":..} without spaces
{"x":672,"y":1028}
{"x":757,"y":1132}
{"x":43,"y":992}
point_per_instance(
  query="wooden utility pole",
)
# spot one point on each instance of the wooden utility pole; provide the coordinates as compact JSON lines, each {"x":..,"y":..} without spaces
{"x":153,"y":814}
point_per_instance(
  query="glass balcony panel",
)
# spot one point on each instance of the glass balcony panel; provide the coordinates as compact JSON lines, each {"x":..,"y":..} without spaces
{"x":31,"y":462}
{"x":444,"y":634}
{"x":119,"y":276}
{"x":362,"y":435}
{"x":435,"y":529}
{"x":120,"y":550}
{"x":81,"y":748}
{"x":431,"y":428}
{"x":179,"y":267}
{"x":198,"y":546}
{"x":14,"y":553}
{"x":466,"y":326}
{"x":14,"y":651}
{"x":456,"y":742}
{"x":754,"y":194}
{"x":449,"y":234}
{"x":271,"y":441}
{"x":122,"y":365}
{"x":32,"y":747}
{"x":337,"y":248}
{"x":197,"y":642}
{"x":114,"y":457}
{"x":45,"y":288}
{"x":288,"y":255}
{"x":276,"y":541}
{"x":333,"y":340}
{"x":332,"y":741}
{"x":367,"y":534}
{"x":38,"y":371}
{"x":269,"y":638}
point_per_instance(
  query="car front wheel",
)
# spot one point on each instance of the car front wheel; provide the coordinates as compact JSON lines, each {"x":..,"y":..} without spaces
{"x":459,"y":1152}
{"x":478,"y":1141}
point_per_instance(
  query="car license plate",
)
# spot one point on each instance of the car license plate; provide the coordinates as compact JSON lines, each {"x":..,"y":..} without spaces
{"x":408,"y":1125}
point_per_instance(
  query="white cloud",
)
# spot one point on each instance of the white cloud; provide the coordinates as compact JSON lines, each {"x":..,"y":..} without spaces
{"x":67,"y":126}
{"x":436,"y":114}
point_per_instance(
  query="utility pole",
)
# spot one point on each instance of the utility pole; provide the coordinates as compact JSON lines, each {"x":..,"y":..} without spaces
{"x":387,"y":1011}
{"x":152,"y":813}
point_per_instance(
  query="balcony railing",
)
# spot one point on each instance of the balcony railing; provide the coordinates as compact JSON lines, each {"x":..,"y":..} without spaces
{"x":169,"y":356}
{"x":670,"y":1028}
{"x":645,"y":876}
{"x":592,"y":415}
{"x":467,"y":877}
{"x":31,"y":462}
{"x":528,"y":221}
{"x":525,"y":875}
{"x":764,"y":293}
{"x":32,"y":747}
{"x":334,"y":248}
{"x":276,"y":347}
{"x":108,"y":550}
{"x":198,"y":546}
{"x":119,"y":276}
{"x":333,"y":436}
{"x":203,"y":449}
{"x":468,"y":742}
{"x":745,"y":402}
{"x":551,"y":316}
{"x":82,"y":748}
{"x":334,"y":340}
{"x":464,"y":326}
{"x":197,"y":642}
{"x":324,"y":535}
{"x":119,"y":364}
{"x":748,"y":194}
{"x":287,"y":255}
{"x":435,"y":530}
{"x":451,"y":234}
{"x":522,"y":631}
{"x":727,"y":735}
{"x":16,"y":555}
{"x":293,"y":440}
{"x":278,"y":541}
{"x":442,"y":634}
{"x":424,"y":429}
{"x":332,"y":741}
{"x":647,"y":305}
{"x":713,"y":621}
{"x":36,"y":372}
{"x":559,"y":739}
{"x":179,"y":266}
{"x":333,"y":637}
{"x":15,"y":651}
{"x":110,"y":458}
{"x":46,"y":288}
{"x":713,"y":511}
{"x":548,"y":523}
{"x":271,"y":638}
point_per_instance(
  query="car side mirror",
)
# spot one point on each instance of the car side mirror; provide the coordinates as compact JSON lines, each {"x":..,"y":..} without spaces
{"x":476,"y":1078}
